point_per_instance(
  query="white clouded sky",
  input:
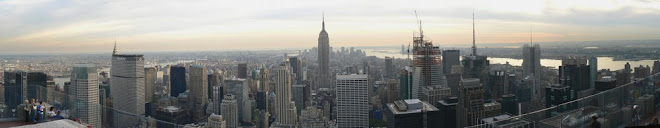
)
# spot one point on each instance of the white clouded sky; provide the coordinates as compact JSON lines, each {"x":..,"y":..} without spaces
{"x":92,"y":26}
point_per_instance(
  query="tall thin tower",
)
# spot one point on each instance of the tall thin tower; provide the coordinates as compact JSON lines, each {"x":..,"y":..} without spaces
{"x":532,"y":65}
{"x":474,"y":42}
{"x":324,"y":58}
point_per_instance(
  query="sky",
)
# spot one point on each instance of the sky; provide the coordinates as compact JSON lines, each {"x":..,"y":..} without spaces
{"x":54,"y":26}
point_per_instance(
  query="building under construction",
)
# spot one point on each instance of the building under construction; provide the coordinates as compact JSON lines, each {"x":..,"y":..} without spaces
{"x":427,"y":63}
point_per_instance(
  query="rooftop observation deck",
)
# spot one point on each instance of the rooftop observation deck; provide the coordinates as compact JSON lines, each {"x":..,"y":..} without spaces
{"x":63,"y":123}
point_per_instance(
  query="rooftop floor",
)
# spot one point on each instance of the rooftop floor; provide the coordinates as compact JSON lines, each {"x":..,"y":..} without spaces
{"x":64,"y":123}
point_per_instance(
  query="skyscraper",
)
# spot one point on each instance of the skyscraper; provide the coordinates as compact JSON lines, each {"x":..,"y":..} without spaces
{"x":427,"y":64}
{"x":392,"y":91}
{"x":532,"y":66}
{"x":352,"y":101}
{"x":593,"y":71}
{"x":230,"y":111}
{"x":449,"y":59}
{"x":127,"y":87}
{"x":640,"y":72}
{"x":217,"y":98}
{"x":177,"y":80}
{"x":432,"y":94}
{"x":510,"y":104}
{"x":656,"y":70}
{"x":285,"y":108}
{"x":216,"y":121}
{"x":263,"y":89}
{"x":296,"y":67}
{"x":389,"y":67}
{"x":167,"y":115}
{"x":214,"y":79}
{"x":323,"y":59}
{"x":448,"y":117}
{"x":498,"y":85}
{"x":36,"y":85}
{"x":198,"y":91}
{"x":474,"y":65}
{"x":298,"y":96}
{"x":15,"y":84}
{"x":239,"y":89}
{"x":413,"y":113}
{"x":471,"y":102}
{"x":264,"y":73}
{"x":85,"y":90}
{"x":555,"y":95}
{"x":149,"y":83}
{"x":242,"y":71}
{"x":575,"y":73}
{"x":405,"y":83}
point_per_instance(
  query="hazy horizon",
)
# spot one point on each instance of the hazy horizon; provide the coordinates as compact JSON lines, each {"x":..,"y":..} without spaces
{"x":47,"y":26}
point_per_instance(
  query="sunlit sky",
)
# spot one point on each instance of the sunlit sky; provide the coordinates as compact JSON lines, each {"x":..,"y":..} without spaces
{"x":28,"y":26}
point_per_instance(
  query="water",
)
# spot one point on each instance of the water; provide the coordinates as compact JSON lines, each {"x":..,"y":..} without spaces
{"x":603,"y":62}
{"x":59,"y":81}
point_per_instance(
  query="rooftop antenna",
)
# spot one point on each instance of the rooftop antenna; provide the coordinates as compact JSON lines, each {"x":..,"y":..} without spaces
{"x":531,"y":34}
{"x":474,"y":44}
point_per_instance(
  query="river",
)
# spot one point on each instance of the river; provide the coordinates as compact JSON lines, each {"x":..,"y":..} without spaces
{"x":59,"y":81}
{"x":603,"y":62}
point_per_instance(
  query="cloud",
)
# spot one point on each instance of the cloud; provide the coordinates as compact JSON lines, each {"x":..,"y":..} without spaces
{"x":46,"y":24}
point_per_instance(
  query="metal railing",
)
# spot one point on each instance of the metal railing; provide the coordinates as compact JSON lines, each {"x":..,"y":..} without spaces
{"x":71,"y":107}
{"x":631,"y":104}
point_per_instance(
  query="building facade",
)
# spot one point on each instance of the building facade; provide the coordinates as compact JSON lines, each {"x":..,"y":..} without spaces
{"x":198,"y":91}
{"x":432,"y":94}
{"x":323,"y":59}
{"x":447,"y":108}
{"x":413,"y":113}
{"x":85,"y":90}
{"x":471,"y":102}
{"x":216,"y":121}
{"x":149,"y":83}
{"x":127,"y":88}
{"x":177,"y":80}
{"x":239,"y":89}
{"x":449,"y":59}
{"x":242,"y":71}
{"x":230,"y":111}
{"x":389,"y":68}
{"x":532,"y":65}
{"x":352,"y":100}
{"x":284,"y":105}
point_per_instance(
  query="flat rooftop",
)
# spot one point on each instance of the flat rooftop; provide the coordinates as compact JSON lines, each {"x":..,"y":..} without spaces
{"x":425,"y":106}
{"x":63,"y":123}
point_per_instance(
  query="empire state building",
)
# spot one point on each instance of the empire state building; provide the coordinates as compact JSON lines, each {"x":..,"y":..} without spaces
{"x":324,"y":59}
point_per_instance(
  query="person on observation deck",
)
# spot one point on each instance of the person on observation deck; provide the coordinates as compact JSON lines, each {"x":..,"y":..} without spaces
{"x":594,"y":122}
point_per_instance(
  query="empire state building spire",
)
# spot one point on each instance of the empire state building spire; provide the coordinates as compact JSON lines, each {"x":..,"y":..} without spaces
{"x":324,"y":58}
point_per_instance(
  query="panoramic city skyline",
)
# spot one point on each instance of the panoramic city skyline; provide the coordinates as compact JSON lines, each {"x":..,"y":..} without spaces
{"x":394,"y":64}
{"x":46,"y":26}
